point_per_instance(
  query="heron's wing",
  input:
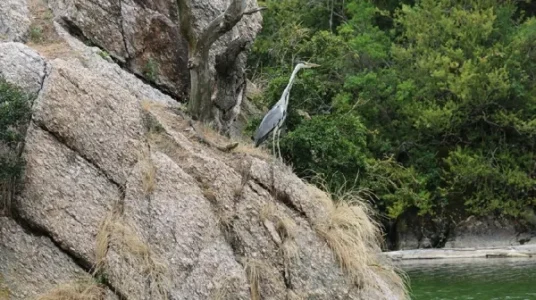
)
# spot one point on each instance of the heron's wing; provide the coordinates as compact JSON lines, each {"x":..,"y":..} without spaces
{"x":268,"y":124}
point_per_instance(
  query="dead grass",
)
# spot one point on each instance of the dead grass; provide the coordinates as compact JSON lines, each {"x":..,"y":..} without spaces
{"x":254,"y":269}
{"x":291,"y":295}
{"x":4,"y":290}
{"x":85,"y":289}
{"x":267,"y":211}
{"x":148,"y":179}
{"x":136,"y":255}
{"x":355,"y":240}
{"x":287,"y":229}
{"x":249,"y":149}
{"x":43,"y":36}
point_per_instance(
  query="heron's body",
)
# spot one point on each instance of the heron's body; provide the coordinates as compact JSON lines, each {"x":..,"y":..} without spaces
{"x":274,"y":119}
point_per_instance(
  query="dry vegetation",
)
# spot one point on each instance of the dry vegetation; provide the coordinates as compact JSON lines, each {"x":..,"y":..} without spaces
{"x":4,"y":291}
{"x":117,"y":235}
{"x":355,"y":239}
{"x":254,"y":270}
{"x":42,"y":34}
{"x":347,"y":227}
{"x":84,"y":289}
{"x":148,"y":172}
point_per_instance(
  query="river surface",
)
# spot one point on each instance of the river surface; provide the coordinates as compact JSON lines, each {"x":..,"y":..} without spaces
{"x":475,"y":279}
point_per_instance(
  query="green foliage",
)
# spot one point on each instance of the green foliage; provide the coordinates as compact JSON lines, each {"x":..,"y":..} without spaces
{"x":36,"y":34}
{"x":151,"y":70}
{"x":14,"y":117}
{"x":329,"y":145}
{"x":439,"y":96}
{"x":104,"y":54}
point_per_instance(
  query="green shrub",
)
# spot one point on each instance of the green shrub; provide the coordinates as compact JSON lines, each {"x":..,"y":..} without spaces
{"x":334,"y":147}
{"x":14,"y":117}
{"x":443,"y":91}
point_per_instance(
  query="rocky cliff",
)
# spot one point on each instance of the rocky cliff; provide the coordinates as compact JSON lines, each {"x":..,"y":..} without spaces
{"x":124,"y":197}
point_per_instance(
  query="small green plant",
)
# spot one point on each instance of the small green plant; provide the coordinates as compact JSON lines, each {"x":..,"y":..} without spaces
{"x":104,"y":54}
{"x":14,"y":117}
{"x":36,"y":34}
{"x":151,"y":70}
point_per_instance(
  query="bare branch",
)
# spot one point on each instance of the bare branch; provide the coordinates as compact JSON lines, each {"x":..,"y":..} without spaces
{"x":254,"y":10}
{"x":186,"y":21}
{"x":202,"y":139}
{"x":228,"y":58}
{"x":224,"y":22}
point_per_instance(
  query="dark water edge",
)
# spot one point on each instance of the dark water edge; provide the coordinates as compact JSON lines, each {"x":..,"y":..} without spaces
{"x":474,"y":279}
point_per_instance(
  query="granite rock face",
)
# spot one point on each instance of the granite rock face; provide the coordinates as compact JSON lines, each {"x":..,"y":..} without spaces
{"x":31,"y":265}
{"x":118,"y":186}
{"x":144,"y":35}
{"x":14,"y":20}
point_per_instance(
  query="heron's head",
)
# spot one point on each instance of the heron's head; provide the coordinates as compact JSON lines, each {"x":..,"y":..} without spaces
{"x":307,"y":65}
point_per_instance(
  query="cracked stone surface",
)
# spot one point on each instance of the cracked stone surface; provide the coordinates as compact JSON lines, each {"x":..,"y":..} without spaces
{"x":31,"y":265}
{"x":96,"y":118}
{"x":98,"y":20}
{"x":159,"y":213}
{"x":145,"y":36}
{"x":64,"y":194}
{"x":14,"y":20}
{"x":22,"y":66}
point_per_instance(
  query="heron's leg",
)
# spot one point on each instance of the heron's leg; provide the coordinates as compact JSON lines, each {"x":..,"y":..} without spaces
{"x":278,"y":148}
{"x":273,"y":142}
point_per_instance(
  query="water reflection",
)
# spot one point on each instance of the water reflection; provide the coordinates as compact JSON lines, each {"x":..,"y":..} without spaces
{"x":475,"y":279}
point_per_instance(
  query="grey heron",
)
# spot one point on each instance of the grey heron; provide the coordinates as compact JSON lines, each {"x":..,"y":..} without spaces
{"x":274,"y":119}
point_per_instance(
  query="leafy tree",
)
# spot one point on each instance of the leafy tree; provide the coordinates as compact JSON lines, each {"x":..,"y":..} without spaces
{"x":444,"y":93}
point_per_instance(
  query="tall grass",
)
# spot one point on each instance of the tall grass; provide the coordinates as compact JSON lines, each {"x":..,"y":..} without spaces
{"x":349,"y":229}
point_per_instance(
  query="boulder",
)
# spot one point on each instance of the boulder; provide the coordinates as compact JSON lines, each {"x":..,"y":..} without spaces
{"x":22,"y":66}
{"x":144,"y":35}
{"x":487,"y":232}
{"x":120,"y":182}
{"x":14,"y":20}
{"x":31,"y":265}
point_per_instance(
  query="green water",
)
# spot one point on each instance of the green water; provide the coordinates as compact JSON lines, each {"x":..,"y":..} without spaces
{"x":483,"y":279}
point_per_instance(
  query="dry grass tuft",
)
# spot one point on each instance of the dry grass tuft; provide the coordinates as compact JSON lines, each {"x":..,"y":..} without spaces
{"x":249,"y":149}
{"x":291,"y":295}
{"x":135,"y":255}
{"x":267,"y":211}
{"x":148,"y":179}
{"x":85,"y":289}
{"x":355,"y":240}
{"x":287,"y":230}
{"x":4,"y":290}
{"x":286,"y":227}
{"x":221,"y":293}
{"x":254,"y":269}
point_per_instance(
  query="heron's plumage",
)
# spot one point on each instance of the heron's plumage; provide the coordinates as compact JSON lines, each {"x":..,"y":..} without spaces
{"x":271,"y":120}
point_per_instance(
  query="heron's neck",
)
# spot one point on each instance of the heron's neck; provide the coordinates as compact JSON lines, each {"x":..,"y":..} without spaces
{"x":290,"y":83}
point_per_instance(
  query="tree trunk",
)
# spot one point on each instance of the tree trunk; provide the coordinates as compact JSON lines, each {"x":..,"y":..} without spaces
{"x":203,"y":93}
{"x":231,"y":83}
{"x":201,"y":90}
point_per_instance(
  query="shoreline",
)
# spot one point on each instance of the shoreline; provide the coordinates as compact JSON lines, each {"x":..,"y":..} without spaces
{"x":522,"y":251}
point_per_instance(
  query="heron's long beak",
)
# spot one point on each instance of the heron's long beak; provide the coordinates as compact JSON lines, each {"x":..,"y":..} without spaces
{"x":311,"y":65}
